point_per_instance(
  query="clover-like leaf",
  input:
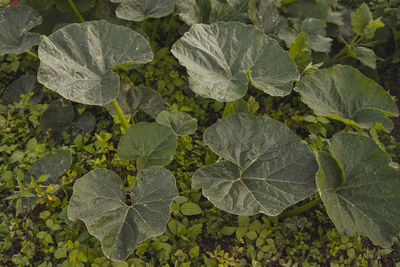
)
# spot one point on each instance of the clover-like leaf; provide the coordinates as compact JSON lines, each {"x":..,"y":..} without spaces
{"x":52,"y":165}
{"x":150,"y":143}
{"x":76,"y":60}
{"x":269,"y":168}
{"x":223,"y":57}
{"x":99,"y":199}
{"x":366,"y":199}
{"x":343,"y":93}
{"x":22,"y":86}
{"x":180,"y":122}
{"x":15,"y":22}
{"x":138,"y":10}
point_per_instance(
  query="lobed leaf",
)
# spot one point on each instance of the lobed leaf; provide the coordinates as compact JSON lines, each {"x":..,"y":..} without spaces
{"x":223,"y":57}
{"x":76,"y":60}
{"x":99,"y":200}
{"x":268,"y":168}
{"x":365,"y":196}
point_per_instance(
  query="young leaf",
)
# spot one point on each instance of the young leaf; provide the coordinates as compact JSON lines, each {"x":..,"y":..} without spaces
{"x":268,"y":168}
{"x":299,"y":50}
{"x":99,"y":199}
{"x":180,"y":122}
{"x":343,"y":93}
{"x":150,"y":143}
{"x":361,"y":18}
{"x":367,"y":201}
{"x":138,"y":10}
{"x":22,"y":86}
{"x":366,"y":56}
{"x":223,"y":57}
{"x":15,"y":22}
{"x":76,"y":60}
{"x":315,"y":28}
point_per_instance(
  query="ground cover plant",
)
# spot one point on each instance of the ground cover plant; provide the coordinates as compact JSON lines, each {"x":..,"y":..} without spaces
{"x":240,"y":108}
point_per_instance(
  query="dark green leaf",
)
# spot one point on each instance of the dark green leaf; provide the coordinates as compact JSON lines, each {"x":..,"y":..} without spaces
{"x":99,"y":199}
{"x":180,"y":122}
{"x":138,"y":10}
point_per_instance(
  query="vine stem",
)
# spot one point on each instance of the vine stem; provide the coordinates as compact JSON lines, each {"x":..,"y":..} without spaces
{"x":32,"y":53}
{"x":76,"y":11}
{"x":298,"y":210}
{"x":121,"y":115}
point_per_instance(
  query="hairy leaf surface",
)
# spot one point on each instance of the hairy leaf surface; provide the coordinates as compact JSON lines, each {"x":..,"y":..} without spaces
{"x":269,"y":169}
{"x":150,"y":143}
{"x":363,"y":198}
{"x":15,"y":22}
{"x":343,"y":93}
{"x":138,"y":10}
{"x":99,"y":199}
{"x":223,"y":57}
{"x":76,"y":60}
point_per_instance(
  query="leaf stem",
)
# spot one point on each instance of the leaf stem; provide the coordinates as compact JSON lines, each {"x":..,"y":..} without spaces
{"x":76,"y":11}
{"x":32,"y":53}
{"x":121,"y":115}
{"x":298,"y":210}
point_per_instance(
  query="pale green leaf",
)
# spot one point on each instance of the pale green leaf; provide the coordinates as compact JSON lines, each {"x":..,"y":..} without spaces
{"x":180,"y":122}
{"x":138,"y":10}
{"x":367,"y":201}
{"x":223,"y":57}
{"x":268,"y":168}
{"x":99,"y":199}
{"x":76,"y":60}
{"x":150,"y":143}
{"x":343,"y":93}
{"x":15,"y":22}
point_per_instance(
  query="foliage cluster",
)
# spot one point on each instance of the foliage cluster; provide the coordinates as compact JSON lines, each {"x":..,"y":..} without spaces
{"x":265,"y":152}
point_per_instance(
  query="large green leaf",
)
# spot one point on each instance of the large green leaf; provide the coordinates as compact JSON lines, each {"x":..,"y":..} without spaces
{"x":99,"y":199}
{"x":15,"y":22}
{"x":223,"y":57}
{"x":180,"y":122}
{"x":150,"y":143}
{"x":269,"y":170}
{"x":345,"y":94}
{"x":76,"y":60}
{"x":58,"y":117}
{"x":138,"y":10}
{"x":361,"y":190}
